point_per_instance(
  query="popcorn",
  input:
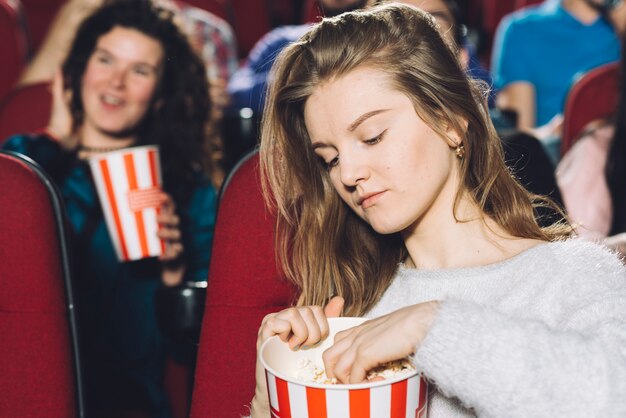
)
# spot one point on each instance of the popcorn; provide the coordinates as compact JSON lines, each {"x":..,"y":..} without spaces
{"x":309,"y":372}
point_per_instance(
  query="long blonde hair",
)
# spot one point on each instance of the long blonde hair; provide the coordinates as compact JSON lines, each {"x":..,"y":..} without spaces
{"x":323,"y":246}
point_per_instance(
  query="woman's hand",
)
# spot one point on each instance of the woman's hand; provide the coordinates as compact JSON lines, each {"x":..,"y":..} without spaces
{"x":390,"y":337}
{"x":169,"y":231}
{"x":298,"y":326}
{"x":61,"y":123}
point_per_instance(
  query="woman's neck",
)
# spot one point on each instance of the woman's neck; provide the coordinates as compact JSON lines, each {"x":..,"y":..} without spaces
{"x":475,"y":240}
{"x":94,"y":141}
{"x":581,"y":10}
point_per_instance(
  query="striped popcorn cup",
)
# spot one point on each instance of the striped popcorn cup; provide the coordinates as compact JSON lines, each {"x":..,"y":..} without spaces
{"x":403,"y":396}
{"x":128,"y":182}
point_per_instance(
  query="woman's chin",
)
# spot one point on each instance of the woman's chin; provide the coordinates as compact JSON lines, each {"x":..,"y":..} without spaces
{"x":386,"y":228}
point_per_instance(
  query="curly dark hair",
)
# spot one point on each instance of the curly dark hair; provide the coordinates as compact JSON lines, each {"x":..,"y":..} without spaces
{"x":178,"y":124}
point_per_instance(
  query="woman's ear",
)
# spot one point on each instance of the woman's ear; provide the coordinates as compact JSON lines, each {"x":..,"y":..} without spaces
{"x":453,"y":137}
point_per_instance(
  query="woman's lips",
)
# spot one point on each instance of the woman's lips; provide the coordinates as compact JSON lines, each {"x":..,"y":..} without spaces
{"x":111,"y":102}
{"x":370,"y":200}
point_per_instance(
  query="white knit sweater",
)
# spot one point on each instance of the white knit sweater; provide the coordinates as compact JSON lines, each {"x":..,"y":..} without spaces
{"x":542,"y":334}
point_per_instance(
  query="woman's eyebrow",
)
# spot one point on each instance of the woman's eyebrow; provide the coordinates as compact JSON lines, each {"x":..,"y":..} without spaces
{"x":106,"y":51}
{"x":317,"y":145}
{"x":363,"y":118}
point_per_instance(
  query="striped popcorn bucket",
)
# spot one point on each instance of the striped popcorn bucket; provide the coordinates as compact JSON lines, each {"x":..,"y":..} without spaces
{"x":404,"y":396}
{"x":128,"y":182}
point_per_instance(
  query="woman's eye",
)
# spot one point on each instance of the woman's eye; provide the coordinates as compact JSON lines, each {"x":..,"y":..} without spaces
{"x":376,"y":139}
{"x":142,"y":71}
{"x":332,"y":163}
{"x":103,"y":59}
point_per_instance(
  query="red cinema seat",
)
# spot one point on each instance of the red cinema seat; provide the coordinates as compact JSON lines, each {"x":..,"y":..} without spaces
{"x":25,"y":109}
{"x":311,"y":11}
{"x":39,"y":355}
{"x":593,"y":96}
{"x":493,"y":12}
{"x":250,"y":20}
{"x":244,"y":285}
{"x":14,"y":47}
{"x":524,"y":3}
{"x":40,"y":14}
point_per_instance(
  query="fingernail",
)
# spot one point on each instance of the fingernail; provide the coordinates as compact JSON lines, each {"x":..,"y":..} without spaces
{"x":296,"y":348}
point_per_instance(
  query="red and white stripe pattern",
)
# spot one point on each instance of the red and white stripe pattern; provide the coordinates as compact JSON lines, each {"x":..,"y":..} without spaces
{"x":403,"y":399}
{"x":129,"y":188}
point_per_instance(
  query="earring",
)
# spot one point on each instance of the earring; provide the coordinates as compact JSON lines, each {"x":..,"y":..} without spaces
{"x":460,"y":151}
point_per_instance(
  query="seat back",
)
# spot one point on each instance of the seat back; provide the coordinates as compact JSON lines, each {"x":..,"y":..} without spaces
{"x":244,"y":285}
{"x":311,"y":11}
{"x":593,"y":96}
{"x":40,"y":14}
{"x":39,"y":355}
{"x":14,"y":45}
{"x":250,"y":20}
{"x":25,"y":109}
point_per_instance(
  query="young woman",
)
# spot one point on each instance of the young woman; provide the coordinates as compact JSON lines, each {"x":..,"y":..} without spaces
{"x":130,"y":79}
{"x":394,"y":203}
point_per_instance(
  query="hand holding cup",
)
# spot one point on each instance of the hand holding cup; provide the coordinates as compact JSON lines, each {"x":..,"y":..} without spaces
{"x":169,"y":232}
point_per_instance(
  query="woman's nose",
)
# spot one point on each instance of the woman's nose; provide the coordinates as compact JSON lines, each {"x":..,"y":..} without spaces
{"x":118,"y":78}
{"x":353,"y":169}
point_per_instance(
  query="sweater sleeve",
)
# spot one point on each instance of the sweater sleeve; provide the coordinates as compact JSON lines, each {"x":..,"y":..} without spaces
{"x":501,"y":364}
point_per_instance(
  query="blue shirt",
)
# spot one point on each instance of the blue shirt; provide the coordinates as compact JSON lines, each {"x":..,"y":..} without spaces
{"x":247,"y":86}
{"x":547,"y":46}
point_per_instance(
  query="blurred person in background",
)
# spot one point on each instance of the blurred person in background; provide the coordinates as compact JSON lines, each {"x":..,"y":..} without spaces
{"x":118,"y":89}
{"x":592,"y":176}
{"x":537,"y":52}
{"x":211,"y":37}
{"x":247,"y":87}
{"x":449,"y":17}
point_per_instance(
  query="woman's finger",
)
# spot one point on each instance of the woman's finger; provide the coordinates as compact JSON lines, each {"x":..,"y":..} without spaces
{"x":316,"y":326}
{"x":335,"y":356}
{"x":298,"y":326}
{"x":172,"y":251}
{"x":168,"y":218}
{"x":169,"y":234}
{"x":289,"y":326}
